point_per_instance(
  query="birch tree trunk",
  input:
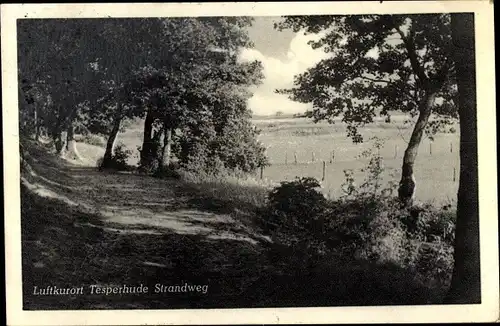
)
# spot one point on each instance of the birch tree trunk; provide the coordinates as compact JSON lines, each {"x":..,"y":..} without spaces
{"x":110,"y":144}
{"x":407,"y":185}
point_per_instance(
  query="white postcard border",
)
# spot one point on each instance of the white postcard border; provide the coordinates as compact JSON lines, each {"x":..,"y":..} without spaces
{"x":487,"y":311}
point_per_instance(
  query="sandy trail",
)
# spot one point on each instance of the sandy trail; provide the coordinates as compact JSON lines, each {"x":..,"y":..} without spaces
{"x":129,"y":203}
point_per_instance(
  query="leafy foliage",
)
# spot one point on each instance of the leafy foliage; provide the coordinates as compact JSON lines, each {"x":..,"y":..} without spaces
{"x":183,"y":74}
{"x":295,"y":203}
{"x":294,"y":217}
{"x":119,"y":159}
{"x":376,"y":63}
{"x":371,"y":187}
{"x":215,"y":148}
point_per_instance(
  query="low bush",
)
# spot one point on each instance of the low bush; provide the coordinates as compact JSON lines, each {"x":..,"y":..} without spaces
{"x":434,"y":264}
{"x":91,"y":139}
{"x":118,"y":160}
{"x":295,"y":203}
{"x":294,"y":219}
{"x":170,"y":172}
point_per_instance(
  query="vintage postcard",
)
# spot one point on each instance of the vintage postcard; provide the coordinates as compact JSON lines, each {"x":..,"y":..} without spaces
{"x":250,"y":163}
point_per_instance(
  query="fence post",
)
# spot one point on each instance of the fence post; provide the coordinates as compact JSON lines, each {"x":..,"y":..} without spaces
{"x":430,"y":148}
{"x":261,"y":172}
{"x":313,"y":157}
{"x":395,"y":151}
{"x":454,"y":174}
{"x":451,"y":147}
{"x":324,"y":169}
{"x":295,"y":157}
{"x":332,"y":157}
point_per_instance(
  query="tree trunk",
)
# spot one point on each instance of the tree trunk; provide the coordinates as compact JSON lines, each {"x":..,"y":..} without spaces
{"x":59,"y":142}
{"x":71,"y":151}
{"x":466,"y":279}
{"x":110,"y":144}
{"x":407,"y":184}
{"x":164,"y":158}
{"x":147,"y":139}
{"x":37,"y":124}
{"x":58,"y":134}
{"x":167,"y":146}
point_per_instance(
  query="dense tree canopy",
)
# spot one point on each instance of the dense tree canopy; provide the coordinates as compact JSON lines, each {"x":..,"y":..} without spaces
{"x":182,"y":74}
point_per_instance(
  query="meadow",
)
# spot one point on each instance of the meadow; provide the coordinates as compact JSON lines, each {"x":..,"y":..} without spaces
{"x":313,"y":143}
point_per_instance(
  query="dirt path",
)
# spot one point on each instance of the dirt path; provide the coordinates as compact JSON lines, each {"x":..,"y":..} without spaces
{"x":131,"y":203}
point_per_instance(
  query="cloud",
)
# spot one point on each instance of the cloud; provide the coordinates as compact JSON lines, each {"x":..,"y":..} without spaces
{"x":279,"y":73}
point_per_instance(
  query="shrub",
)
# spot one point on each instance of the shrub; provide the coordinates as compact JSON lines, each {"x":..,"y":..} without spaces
{"x":371,"y":188}
{"x":429,"y":224}
{"x":295,"y":204}
{"x":118,"y":160}
{"x":385,"y":237}
{"x":367,"y":229}
{"x":367,"y":223}
{"x":91,"y":139}
{"x":294,"y":218}
{"x":199,"y":160}
{"x":121,"y":155}
{"x":434,"y":265}
{"x":220,"y":148}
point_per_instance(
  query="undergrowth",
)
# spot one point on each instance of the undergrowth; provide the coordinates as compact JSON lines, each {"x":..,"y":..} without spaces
{"x":118,"y":160}
{"x":367,"y":223}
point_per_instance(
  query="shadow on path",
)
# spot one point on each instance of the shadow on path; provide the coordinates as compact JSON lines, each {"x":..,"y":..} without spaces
{"x":131,"y":200}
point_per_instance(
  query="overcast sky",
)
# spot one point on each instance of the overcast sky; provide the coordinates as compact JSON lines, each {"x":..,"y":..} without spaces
{"x":283,"y":55}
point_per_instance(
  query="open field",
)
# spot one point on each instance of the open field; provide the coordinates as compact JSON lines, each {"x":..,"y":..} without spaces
{"x":285,"y":137}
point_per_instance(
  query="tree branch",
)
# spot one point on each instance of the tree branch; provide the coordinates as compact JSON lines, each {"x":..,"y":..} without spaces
{"x":410,"y":48}
{"x":376,"y":80}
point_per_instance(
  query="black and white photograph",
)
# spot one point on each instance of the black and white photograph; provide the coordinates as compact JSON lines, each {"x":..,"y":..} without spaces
{"x":233,"y":157}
